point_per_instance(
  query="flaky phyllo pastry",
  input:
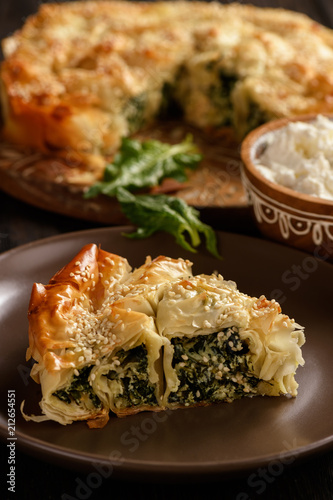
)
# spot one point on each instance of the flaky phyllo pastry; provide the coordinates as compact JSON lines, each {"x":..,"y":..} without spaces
{"x":109,"y":338}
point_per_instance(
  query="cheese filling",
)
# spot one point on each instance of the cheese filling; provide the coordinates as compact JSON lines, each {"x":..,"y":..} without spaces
{"x":299,"y":157}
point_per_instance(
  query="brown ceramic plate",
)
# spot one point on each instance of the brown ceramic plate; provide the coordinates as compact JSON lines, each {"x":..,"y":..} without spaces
{"x":201,"y":442}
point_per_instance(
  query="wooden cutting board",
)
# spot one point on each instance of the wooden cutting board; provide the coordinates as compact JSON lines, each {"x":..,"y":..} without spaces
{"x":49,"y":183}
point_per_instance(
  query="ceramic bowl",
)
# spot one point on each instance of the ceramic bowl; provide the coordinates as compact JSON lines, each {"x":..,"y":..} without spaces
{"x":282,"y":214}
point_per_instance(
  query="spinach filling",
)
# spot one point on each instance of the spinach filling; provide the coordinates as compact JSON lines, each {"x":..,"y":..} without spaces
{"x":211,"y":368}
{"x":219,"y":94}
{"x":79,"y":389}
{"x":256,"y":116}
{"x":131,"y":376}
{"x":135,"y":111}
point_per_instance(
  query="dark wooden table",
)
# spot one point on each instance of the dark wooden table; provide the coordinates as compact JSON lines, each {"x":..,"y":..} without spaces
{"x":312,"y":478}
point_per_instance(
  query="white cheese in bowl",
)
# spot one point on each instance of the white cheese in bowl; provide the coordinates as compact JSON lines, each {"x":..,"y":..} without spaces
{"x":299,"y":156}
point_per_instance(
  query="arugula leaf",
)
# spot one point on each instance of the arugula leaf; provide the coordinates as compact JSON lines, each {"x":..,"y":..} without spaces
{"x":145,"y":164}
{"x":151,"y":213}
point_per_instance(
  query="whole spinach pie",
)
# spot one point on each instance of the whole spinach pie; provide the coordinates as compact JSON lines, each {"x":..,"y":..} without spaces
{"x":80,"y":76}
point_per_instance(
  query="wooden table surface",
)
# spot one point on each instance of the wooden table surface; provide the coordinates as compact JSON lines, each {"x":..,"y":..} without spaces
{"x":312,"y":478}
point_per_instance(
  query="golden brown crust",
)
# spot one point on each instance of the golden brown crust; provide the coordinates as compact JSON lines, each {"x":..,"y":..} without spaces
{"x":82,"y":294}
{"x":99,"y":420}
{"x":91,"y":310}
{"x":53,"y":305}
{"x":125,"y":412}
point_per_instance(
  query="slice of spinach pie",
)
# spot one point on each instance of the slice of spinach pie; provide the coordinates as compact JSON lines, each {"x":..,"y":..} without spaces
{"x":109,"y":338}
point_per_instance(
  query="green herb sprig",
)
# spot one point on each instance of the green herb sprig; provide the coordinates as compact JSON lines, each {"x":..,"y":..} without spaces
{"x":141,"y":165}
{"x":145,"y":164}
{"x":152,"y":213}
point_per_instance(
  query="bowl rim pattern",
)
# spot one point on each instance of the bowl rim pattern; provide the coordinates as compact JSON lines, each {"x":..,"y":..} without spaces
{"x":289,"y":219}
